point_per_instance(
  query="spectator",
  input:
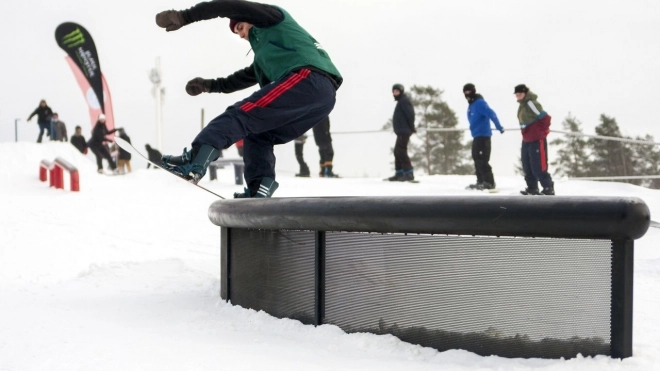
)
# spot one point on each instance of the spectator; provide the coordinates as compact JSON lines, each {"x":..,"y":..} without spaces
{"x":323,"y":140}
{"x":480,"y":115}
{"x":78,"y":141}
{"x":299,"y":144}
{"x":58,"y":129}
{"x":403,"y":123}
{"x":297,"y":80}
{"x":44,"y":115}
{"x":98,"y":144}
{"x":124,"y":157}
{"x":154,"y":156}
{"x":535,"y":127}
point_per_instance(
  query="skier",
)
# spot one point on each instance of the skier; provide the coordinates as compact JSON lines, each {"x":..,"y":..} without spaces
{"x":298,"y":86}
{"x":535,"y":127}
{"x":480,"y":115}
{"x":403,"y":123}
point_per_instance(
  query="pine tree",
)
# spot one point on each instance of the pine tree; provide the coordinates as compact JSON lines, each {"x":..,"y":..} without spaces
{"x":647,"y":161}
{"x":440,"y":152}
{"x":610,"y":158}
{"x":573,"y":157}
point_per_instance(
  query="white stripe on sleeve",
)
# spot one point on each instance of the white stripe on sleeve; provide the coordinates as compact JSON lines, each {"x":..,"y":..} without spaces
{"x":533,"y":107}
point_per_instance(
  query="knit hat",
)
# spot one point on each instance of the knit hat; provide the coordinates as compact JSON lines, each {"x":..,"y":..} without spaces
{"x":232,"y":24}
{"x":469,"y":87}
{"x":398,"y":87}
{"x":101,"y":116}
{"x":522,"y":88}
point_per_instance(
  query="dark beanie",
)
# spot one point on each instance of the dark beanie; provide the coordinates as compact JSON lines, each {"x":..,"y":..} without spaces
{"x":522,"y":88}
{"x":232,"y":24}
{"x":398,"y":87}
{"x":469,"y":87}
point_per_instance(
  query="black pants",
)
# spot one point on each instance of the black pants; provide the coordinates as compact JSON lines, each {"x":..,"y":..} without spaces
{"x":534,"y":156}
{"x":401,"y":159}
{"x":481,"y":157}
{"x":324,"y":141}
{"x":101,"y":152}
{"x":298,"y":148}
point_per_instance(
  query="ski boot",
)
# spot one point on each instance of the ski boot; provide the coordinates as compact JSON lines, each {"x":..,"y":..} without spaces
{"x":530,"y":192}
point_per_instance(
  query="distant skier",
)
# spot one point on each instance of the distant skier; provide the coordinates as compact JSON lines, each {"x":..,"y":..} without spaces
{"x":403,"y":123}
{"x":297,"y":80}
{"x":535,"y":127}
{"x":480,"y":115}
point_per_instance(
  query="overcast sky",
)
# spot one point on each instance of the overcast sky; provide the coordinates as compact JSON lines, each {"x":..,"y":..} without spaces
{"x":585,"y":58}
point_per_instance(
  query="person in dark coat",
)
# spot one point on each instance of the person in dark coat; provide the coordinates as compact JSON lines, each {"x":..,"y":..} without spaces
{"x":98,"y":144}
{"x":480,"y":115}
{"x":154,"y":156}
{"x":297,"y":80}
{"x":124,"y":157}
{"x":44,"y":115}
{"x":403,"y":123}
{"x":78,"y":140}
{"x":58,"y":129}
{"x":323,"y":140}
{"x":298,"y":146}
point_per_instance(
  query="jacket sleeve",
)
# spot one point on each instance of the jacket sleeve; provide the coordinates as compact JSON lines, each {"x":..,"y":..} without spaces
{"x":260,"y":15}
{"x":484,"y":109}
{"x":409,"y":114}
{"x":33,"y":113}
{"x":239,"y":80}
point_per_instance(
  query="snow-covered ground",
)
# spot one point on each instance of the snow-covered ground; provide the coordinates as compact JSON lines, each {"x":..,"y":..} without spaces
{"x":124,"y":275}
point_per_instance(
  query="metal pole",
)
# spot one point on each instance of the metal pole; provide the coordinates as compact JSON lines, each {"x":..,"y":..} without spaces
{"x":202,"y":118}
{"x":16,"y":130}
{"x":159,"y":106}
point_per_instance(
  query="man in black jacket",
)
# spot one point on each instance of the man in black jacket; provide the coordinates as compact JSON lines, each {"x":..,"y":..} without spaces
{"x":297,"y":80}
{"x":98,"y":144}
{"x":78,"y":140}
{"x":403,"y":123}
{"x":44,"y":115}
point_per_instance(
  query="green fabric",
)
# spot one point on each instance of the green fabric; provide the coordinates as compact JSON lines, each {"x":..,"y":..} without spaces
{"x":286,"y":47}
{"x":526,"y":115}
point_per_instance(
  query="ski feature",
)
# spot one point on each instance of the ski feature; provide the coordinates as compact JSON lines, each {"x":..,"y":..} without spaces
{"x":129,"y":148}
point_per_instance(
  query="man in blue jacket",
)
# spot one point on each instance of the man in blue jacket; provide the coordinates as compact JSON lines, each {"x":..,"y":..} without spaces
{"x":480,"y":115}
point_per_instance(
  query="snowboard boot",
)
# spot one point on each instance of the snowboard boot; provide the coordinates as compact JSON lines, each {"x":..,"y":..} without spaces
{"x":266,"y":189}
{"x":550,"y":191}
{"x":485,"y":186}
{"x":192,"y":164}
{"x":398,"y":176}
{"x":530,"y":192}
{"x":476,"y":185}
{"x":408,"y":176}
{"x":326,"y":171}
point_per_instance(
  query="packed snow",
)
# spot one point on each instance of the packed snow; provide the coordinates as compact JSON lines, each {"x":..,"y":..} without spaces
{"x":124,"y":275}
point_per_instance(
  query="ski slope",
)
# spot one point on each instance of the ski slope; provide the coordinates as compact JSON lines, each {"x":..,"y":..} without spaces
{"x":124,"y":275}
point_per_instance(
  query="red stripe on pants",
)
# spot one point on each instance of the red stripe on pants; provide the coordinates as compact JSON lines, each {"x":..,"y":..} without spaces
{"x":278,"y":91}
{"x":544,"y":157}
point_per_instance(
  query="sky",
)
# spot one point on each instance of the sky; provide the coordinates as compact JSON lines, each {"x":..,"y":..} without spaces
{"x":580,"y":58}
{"x":124,"y":275}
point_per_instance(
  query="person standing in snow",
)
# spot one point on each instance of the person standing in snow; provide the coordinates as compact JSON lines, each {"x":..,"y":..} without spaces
{"x":78,"y":141}
{"x":480,"y":115}
{"x":403,"y":123}
{"x":97,"y":143}
{"x":535,"y":127}
{"x":58,"y":129}
{"x":44,"y":114}
{"x":298,"y":84}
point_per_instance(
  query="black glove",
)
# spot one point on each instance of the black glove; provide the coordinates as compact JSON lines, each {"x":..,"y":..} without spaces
{"x":170,"y":20}
{"x":198,"y":85}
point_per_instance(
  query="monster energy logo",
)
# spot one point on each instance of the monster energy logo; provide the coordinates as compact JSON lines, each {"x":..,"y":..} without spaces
{"x":73,"y":39}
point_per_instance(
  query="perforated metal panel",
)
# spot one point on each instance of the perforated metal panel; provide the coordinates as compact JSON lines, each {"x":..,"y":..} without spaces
{"x":273,"y":271}
{"x":518,"y":297}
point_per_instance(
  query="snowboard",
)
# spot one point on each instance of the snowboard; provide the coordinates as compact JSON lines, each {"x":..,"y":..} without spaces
{"x":471,"y":188}
{"x":132,"y":150}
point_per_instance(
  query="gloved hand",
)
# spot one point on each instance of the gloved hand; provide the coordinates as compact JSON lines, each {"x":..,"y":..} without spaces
{"x":170,"y":20}
{"x":502,"y":131}
{"x":197,"y":86}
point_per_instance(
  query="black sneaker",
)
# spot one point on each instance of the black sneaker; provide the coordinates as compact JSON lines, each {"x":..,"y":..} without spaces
{"x":266,"y":189}
{"x":398,"y":177}
{"x":485,"y":186}
{"x":302,"y":175}
{"x":408,"y":177}
{"x":474,"y":186}
{"x":530,"y":192}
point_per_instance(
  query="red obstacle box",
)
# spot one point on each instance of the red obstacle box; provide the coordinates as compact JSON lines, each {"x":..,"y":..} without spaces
{"x":56,"y":171}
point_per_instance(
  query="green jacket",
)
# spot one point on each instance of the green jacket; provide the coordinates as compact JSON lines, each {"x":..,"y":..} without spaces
{"x":285,"y":47}
{"x":529,"y":110}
